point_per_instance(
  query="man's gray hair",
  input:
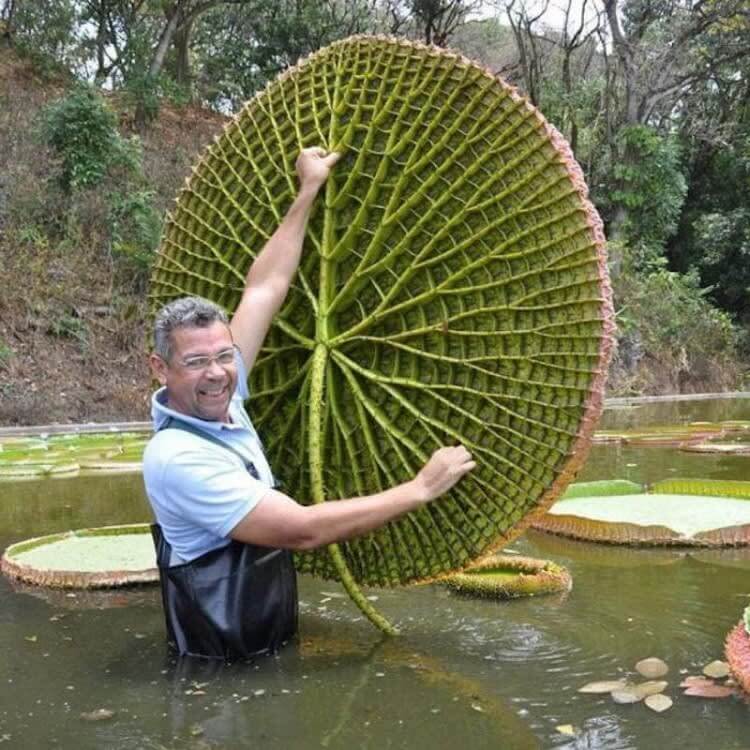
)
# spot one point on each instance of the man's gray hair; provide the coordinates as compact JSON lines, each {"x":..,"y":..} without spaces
{"x":194,"y":312}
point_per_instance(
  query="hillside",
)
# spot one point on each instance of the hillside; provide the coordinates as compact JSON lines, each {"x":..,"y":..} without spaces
{"x":72,"y":330}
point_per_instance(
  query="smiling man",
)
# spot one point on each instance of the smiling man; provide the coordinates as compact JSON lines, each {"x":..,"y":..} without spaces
{"x":223,"y":533}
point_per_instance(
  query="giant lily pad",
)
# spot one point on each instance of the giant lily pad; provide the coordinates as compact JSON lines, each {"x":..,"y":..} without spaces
{"x":88,"y":558}
{"x":453,"y":289}
{"x":510,"y":577}
{"x":69,"y":454}
{"x":652,"y":519}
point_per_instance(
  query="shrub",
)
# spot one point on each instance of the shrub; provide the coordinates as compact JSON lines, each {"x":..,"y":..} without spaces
{"x":82,"y":131}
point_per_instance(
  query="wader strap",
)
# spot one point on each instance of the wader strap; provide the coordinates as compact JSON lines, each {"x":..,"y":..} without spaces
{"x":178,"y":424}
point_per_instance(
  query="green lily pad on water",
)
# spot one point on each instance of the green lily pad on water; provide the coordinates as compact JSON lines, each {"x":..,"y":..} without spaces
{"x":673,"y":435}
{"x":89,"y":558}
{"x":652,"y":519}
{"x":69,"y":453}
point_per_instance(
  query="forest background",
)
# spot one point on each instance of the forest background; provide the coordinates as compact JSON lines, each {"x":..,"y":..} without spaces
{"x":105,"y":104}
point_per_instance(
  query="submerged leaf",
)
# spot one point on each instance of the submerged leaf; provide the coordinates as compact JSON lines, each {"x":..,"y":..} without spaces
{"x":652,"y":667}
{"x":602,"y":687}
{"x":658,"y":702}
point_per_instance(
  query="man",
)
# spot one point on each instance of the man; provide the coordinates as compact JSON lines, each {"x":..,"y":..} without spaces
{"x":223,"y":532}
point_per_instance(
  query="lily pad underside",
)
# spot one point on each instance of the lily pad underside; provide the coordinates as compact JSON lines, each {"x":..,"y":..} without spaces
{"x":652,"y":519}
{"x":510,"y":577}
{"x":453,"y":289}
{"x":88,"y":558}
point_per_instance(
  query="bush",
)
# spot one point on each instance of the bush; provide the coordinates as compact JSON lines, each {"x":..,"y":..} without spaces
{"x":136,"y":229}
{"x":670,"y":336}
{"x":653,"y":188}
{"x":82,"y":131}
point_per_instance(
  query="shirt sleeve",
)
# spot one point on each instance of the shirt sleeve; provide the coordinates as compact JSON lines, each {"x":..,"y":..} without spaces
{"x":210,"y":490}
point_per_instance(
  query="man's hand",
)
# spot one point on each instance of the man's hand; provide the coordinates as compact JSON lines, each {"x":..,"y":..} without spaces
{"x":445,"y":467}
{"x":313,"y":167}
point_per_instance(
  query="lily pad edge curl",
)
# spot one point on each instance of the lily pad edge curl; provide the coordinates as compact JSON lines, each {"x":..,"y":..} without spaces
{"x":65,"y":578}
{"x":591,"y":399}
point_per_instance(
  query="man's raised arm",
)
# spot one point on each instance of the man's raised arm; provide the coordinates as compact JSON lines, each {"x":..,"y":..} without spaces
{"x":273,"y":269}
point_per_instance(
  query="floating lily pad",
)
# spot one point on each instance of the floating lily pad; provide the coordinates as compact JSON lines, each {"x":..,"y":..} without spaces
{"x":706,"y":487}
{"x":650,"y":519}
{"x":510,"y":577}
{"x":88,"y":558}
{"x":673,"y":435}
{"x":70,"y":453}
{"x":728,"y":449}
{"x":609,"y":556}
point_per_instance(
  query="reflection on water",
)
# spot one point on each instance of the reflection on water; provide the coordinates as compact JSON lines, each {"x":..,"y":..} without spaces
{"x":465,"y":673}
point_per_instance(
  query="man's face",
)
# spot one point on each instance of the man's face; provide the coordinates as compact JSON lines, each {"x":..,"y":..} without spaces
{"x":203,"y":392}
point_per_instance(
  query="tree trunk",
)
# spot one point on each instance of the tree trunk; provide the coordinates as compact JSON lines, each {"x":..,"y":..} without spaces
{"x":6,"y":30}
{"x":183,"y":73}
{"x":157,"y":63}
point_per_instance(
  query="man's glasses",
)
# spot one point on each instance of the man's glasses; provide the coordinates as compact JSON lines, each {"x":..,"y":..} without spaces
{"x":202,"y":361}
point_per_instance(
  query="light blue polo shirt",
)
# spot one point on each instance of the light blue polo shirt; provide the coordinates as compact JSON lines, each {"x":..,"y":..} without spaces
{"x":198,"y":490}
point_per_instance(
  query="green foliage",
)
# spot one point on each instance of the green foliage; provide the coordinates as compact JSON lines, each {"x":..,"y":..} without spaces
{"x":241,"y":51}
{"x":665,"y":316}
{"x":136,"y":228}
{"x":82,"y":131}
{"x":652,"y":186}
{"x":71,"y":327}
{"x":44,"y":32}
{"x":6,"y":354}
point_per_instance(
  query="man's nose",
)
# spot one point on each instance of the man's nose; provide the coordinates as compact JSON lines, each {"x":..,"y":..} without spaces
{"x":214,"y":369}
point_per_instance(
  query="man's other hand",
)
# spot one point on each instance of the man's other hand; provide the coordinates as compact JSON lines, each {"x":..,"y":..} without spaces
{"x":445,"y":467}
{"x":314,"y":165}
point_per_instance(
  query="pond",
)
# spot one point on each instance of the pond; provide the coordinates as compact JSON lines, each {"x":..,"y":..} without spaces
{"x":464,"y":673}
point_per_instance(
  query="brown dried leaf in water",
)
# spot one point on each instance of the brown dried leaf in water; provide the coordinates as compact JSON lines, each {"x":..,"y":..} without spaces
{"x":652,"y":687}
{"x":695,"y":680}
{"x":101,"y":714}
{"x":651,"y":668}
{"x":716,"y":669}
{"x":709,"y":691}
{"x":658,"y":702}
{"x":601,"y":687}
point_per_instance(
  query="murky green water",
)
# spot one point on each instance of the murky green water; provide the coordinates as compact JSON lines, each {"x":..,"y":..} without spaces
{"x":465,"y":673}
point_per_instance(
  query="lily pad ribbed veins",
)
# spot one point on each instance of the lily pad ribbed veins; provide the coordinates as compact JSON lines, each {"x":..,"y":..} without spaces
{"x":453,"y":289}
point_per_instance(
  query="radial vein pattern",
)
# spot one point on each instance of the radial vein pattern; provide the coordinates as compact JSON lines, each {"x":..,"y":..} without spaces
{"x":453,"y":289}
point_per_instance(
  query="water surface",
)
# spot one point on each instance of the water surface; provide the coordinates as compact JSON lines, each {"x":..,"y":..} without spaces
{"x":464,"y":673}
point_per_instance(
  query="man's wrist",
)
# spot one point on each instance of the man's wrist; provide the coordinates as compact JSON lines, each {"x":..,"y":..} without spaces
{"x":417,"y":491}
{"x":309,"y":191}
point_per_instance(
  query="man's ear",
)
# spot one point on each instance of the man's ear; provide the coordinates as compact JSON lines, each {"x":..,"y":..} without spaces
{"x":158,"y":368}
